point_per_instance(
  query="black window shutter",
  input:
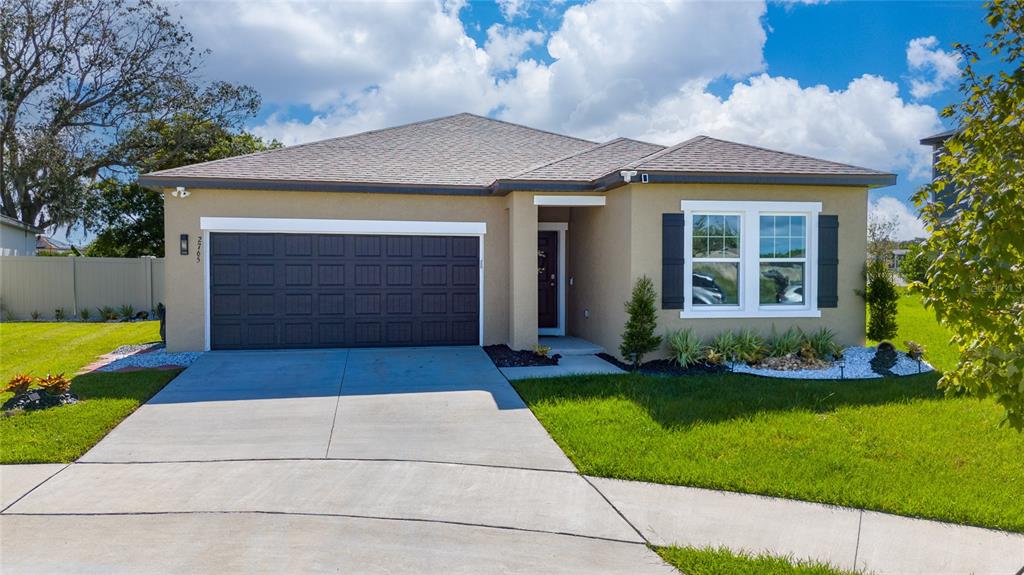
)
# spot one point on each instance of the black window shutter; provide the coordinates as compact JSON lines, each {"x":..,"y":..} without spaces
{"x":828,"y":261}
{"x":672,"y":260}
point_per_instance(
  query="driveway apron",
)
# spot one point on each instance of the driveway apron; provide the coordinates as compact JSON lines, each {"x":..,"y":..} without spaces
{"x":398,"y":460}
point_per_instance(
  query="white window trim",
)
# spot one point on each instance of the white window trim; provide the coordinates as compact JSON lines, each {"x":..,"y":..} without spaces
{"x":561,"y":228}
{"x":209,"y":225}
{"x":749,"y":306}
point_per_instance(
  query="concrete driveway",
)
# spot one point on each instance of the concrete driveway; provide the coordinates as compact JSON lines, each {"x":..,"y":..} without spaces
{"x":409,"y":460}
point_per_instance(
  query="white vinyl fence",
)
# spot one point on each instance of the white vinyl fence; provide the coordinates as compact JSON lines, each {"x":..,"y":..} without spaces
{"x":44,"y":284}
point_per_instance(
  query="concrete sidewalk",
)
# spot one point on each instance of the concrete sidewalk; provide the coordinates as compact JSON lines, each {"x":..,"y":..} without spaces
{"x":851,"y":539}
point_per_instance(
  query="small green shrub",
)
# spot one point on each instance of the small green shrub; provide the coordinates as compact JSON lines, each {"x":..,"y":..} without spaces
{"x":823,"y":343}
{"x":750,"y":346}
{"x":712,"y":356}
{"x":84,"y":314}
{"x":106,"y":313}
{"x":882,"y":298}
{"x":59,"y":314}
{"x":35,"y":314}
{"x":727,"y":345}
{"x":9,"y":315}
{"x":686,"y":347}
{"x":541,"y":350}
{"x":786,"y":343}
{"x":638,"y":339}
{"x":126,"y":311}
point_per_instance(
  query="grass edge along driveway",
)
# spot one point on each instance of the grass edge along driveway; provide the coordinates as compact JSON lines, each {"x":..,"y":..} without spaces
{"x":62,"y":434}
{"x":711,"y":561}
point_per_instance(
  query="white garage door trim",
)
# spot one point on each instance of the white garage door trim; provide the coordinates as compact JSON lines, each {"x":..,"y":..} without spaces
{"x":210,"y":225}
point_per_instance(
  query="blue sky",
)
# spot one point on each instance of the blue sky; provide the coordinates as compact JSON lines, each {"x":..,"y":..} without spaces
{"x":858,"y":82}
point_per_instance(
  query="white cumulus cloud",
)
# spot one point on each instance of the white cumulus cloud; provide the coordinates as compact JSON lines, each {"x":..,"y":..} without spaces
{"x":505,"y":46}
{"x":642,"y":72}
{"x":908,"y":224}
{"x":932,"y":69}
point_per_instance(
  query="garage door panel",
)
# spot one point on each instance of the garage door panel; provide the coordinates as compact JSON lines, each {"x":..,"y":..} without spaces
{"x":322,"y":290}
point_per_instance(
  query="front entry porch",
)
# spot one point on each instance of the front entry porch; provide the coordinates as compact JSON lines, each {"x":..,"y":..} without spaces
{"x":540,"y":260}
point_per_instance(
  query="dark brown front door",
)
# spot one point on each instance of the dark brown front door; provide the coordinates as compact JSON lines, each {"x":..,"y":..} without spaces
{"x":547,"y":279}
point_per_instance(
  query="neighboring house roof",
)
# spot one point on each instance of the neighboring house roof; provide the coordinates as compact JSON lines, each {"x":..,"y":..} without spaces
{"x":9,"y":221}
{"x":50,"y":244}
{"x":938,"y":138}
{"x":470,"y":154}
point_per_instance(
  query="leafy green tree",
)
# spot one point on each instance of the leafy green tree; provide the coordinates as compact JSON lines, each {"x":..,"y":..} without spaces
{"x":128,"y":219}
{"x":882,"y":298}
{"x":976,"y":284}
{"x":914,"y":265}
{"x":638,"y":338}
{"x":78,"y":79}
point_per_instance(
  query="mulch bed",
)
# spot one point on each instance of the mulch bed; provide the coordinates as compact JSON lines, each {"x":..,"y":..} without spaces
{"x":36,"y":399}
{"x":665,"y":367}
{"x":504,"y":356}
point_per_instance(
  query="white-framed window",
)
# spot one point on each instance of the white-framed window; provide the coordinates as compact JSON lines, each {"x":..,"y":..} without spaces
{"x":750,"y":259}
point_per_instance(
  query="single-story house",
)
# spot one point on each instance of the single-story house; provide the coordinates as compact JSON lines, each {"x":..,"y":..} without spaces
{"x":16,"y":237}
{"x":465,"y":230}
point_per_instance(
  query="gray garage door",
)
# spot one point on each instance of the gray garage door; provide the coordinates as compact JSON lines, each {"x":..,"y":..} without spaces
{"x":320,"y":290}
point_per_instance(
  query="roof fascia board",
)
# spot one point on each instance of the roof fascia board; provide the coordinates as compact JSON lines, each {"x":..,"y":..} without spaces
{"x":296,"y":186}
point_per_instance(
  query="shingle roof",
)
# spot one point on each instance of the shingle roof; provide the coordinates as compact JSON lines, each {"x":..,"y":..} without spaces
{"x":591,"y":164}
{"x":709,"y":155}
{"x":470,"y":154}
{"x":459,"y":150}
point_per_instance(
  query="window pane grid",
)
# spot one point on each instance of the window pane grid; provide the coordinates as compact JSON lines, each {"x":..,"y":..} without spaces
{"x":783,"y":257}
{"x":716,"y":275}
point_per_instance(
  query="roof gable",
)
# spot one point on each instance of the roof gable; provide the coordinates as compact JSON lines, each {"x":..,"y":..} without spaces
{"x":460,"y":150}
{"x":703,"y":154}
{"x":592,"y":163}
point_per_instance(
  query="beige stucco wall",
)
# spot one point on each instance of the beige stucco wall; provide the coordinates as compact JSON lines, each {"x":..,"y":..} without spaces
{"x":648,"y":202}
{"x":598,"y":247}
{"x":607,"y":249}
{"x":184,"y":274}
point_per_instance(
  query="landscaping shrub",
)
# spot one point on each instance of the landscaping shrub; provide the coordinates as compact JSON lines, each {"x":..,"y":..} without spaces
{"x":686,"y":347}
{"x":106,"y":313}
{"x":786,"y":343}
{"x":726,"y":345}
{"x":35,"y":314}
{"x":638,"y":339}
{"x":915,"y":350}
{"x":19,"y":384}
{"x":59,"y":314}
{"x":749,"y":346}
{"x":55,"y":384}
{"x":822,"y":342}
{"x":881,"y":296}
{"x":127,"y":312}
{"x":541,"y":350}
{"x":84,"y":314}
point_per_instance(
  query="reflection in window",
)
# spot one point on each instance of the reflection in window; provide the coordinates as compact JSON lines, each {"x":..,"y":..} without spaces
{"x":716,"y":259}
{"x":783,"y":260}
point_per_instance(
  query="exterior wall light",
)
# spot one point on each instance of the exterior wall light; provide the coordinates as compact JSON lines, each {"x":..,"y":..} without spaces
{"x":184,"y":244}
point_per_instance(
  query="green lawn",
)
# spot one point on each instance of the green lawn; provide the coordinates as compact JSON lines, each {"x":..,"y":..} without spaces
{"x":721,"y":561}
{"x":918,"y":324}
{"x":62,"y":434}
{"x":55,"y":347}
{"x":895,"y":445}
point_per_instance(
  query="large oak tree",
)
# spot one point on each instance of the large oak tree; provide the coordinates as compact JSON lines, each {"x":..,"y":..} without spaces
{"x":81,"y":81}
